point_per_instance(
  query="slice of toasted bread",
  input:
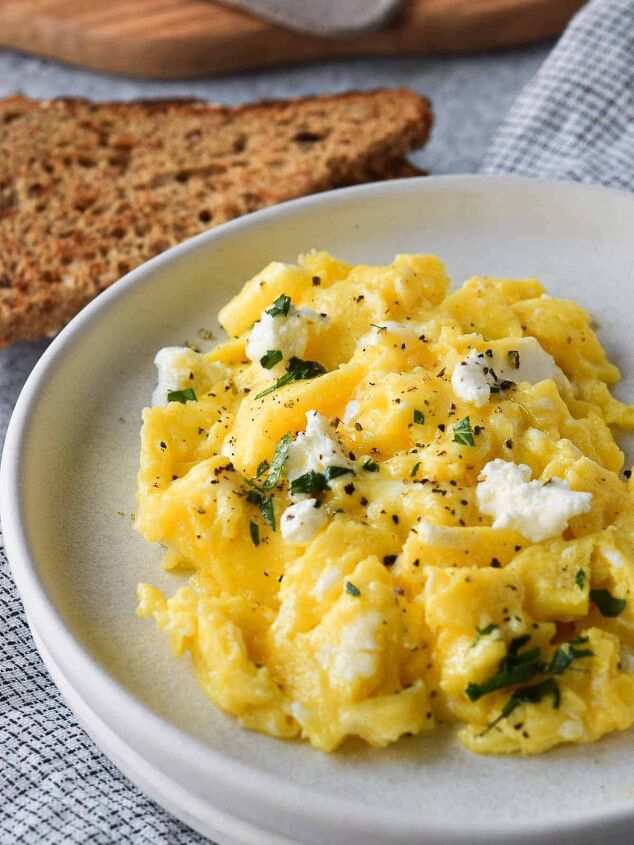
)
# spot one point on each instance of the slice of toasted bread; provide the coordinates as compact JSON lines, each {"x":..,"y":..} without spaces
{"x":89,"y":191}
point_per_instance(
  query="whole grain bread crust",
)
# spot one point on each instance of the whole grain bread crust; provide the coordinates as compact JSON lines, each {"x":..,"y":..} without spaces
{"x":89,"y":191}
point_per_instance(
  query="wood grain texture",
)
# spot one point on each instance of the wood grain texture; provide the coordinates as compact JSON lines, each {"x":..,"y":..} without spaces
{"x":188,"y":38}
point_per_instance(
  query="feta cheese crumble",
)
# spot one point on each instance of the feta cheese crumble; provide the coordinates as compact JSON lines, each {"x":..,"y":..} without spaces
{"x":301,"y":520}
{"x":535,"y":509}
{"x":175,"y":364}
{"x":473,"y":378}
{"x":286,"y":333}
{"x":314,"y":449}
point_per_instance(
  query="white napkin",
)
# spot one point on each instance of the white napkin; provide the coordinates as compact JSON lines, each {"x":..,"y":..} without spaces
{"x":328,"y":18}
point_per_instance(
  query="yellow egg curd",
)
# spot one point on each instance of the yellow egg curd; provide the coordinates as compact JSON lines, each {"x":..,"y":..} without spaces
{"x":396,"y":507}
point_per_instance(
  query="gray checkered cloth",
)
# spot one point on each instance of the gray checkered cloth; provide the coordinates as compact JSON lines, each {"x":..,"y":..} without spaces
{"x":56,"y":788}
{"x":575,"y":120}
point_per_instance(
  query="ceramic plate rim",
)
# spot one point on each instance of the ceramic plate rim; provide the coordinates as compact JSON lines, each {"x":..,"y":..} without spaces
{"x":51,"y":626}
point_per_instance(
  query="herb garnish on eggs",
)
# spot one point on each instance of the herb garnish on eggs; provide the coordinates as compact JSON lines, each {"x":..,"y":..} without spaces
{"x":396,"y":507}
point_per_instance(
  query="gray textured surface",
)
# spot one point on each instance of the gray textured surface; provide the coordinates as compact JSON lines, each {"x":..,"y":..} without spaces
{"x":471,"y":95}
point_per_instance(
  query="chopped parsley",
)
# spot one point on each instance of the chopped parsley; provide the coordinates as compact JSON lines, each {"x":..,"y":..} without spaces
{"x":580,"y":579}
{"x":515,"y":668}
{"x":257,"y":494}
{"x":297,"y":370}
{"x":608,"y":605}
{"x":280,"y":307}
{"x":268,"y":511}
{"x":352,"y":590}
{"x":272,"y":357}
{"x":419,"y":417}
{"x":255,"y":533}
{"x":182,"y":396}
{"x":277,"y":464}
{"x":520,"y":666}
{"x":415,"y":469}
{"x":483,"y":632}
{"x":463,"y":433}
{"x":370,"y":466}
{"x":311,"y":482}
{"x":304,"y":369}
{"x":262,"y":468}
{"x":335,"y":472}
{"x":527,"y":695}
{"x":265,"y":504}
{"x":563,"y":658}
{"x":280,"y":382}
{"x":317,"y":482}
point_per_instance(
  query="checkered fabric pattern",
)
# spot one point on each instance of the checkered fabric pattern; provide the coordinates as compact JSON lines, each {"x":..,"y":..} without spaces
{"x":575,"y":120}
{"x":56,"y":788}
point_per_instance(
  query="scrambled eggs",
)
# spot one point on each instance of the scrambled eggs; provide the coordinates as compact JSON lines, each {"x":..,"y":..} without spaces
{"x":397,"y":507}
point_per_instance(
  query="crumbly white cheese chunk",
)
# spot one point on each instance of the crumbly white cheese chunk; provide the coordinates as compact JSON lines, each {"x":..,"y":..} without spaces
{"x":355,"y":654}
{"x":287,"y":334}
{"x":535,"y":509}
{"x":175,"y":365}
{"x":301,"y":520}
{"x":314,"y":449}
{"x":473,"y":378}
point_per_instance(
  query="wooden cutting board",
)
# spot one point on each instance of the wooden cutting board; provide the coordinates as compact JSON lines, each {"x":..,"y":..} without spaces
{"x":186,"y":38}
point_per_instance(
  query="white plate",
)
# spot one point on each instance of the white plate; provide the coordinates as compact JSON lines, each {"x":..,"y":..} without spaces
{"x":70,"y":464}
